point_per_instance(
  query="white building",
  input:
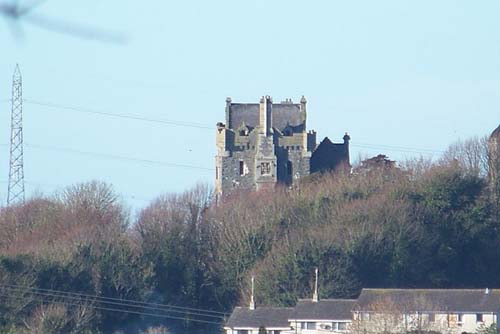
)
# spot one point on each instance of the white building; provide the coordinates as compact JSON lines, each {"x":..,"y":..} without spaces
{"x":448,"y":311}
{"x":309,"y":316}
{"x":322,"y":316}
{"x":441,"y":310}
{"x":248,"y":320}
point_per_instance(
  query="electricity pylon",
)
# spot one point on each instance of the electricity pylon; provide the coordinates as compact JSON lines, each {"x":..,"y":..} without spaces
{"x":15,"y":194}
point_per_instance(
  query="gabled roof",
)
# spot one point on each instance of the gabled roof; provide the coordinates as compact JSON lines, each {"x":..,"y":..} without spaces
{"x":451,"y":300}
{"x":324,"y":309}
{"x":269,"y":317}
{"x":328,"y":156}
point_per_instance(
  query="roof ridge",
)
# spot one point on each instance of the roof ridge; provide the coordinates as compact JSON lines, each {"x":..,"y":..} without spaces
{"x":337,"y":299}
{"x":431,"y":289}
{"x":267,"y":307}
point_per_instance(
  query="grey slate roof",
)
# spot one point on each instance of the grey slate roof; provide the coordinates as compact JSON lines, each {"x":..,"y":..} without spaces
{"x":282,"y":114}
{"x":324,"y":309}
{"x":451,"y":300}
{"x":269,"y":317}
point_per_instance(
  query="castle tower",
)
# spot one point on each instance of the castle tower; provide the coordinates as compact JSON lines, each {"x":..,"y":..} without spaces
{"x":264,"y":144}
{"x":494,"y":168}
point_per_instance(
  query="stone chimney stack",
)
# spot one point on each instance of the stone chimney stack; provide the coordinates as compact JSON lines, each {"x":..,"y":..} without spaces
{"x":228,"y":112}
{"x":252,"y":300}
{"x":315,"y":294}
{"x":266,"y":115}
{"x":303,"y":110}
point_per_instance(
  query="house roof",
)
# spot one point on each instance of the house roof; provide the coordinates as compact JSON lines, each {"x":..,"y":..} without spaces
{"x":329,"y":156}
{"x":324,"y":309}
{"x":452,"y":300}
{"x":283,"y":114}
{"x":270,"y":317}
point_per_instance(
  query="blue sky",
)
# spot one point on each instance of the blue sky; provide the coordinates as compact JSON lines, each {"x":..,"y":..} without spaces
{"x":399,"y":76}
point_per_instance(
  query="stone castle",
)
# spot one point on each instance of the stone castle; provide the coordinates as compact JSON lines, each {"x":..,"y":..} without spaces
{"x":265,"y":144}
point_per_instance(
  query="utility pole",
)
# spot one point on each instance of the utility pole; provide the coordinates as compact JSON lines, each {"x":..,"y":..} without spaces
{"x":15,"y":194}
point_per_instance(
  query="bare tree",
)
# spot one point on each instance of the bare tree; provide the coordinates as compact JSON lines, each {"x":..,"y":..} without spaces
{"x":471,"y":154}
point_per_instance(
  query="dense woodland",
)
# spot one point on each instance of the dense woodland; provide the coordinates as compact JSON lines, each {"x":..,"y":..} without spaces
{"x":421,"y":224}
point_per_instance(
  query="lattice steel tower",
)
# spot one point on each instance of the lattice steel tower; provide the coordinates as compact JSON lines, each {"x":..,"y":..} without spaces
{"x":15,"y":194}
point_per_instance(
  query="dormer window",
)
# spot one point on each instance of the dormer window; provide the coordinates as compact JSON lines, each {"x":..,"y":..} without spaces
{"x":244,"y":130}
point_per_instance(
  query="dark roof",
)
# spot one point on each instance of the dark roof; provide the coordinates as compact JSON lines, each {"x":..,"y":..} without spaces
{"x":282,"y":114}
{"x":457,"y":300}
{"x":324,"y":309}
{"x":269,"y":317}
{"x":496,"y":132}
{"x":329,"y":156}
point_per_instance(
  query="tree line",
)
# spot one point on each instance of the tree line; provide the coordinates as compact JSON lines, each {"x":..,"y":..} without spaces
{"x":421,"y":223}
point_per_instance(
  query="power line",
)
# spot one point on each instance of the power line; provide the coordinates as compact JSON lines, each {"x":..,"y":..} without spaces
{"x":55,"y":186}
{"x":204,"y":126}
{"x":382,"y":149}
{"x":115,"y":157}
{"x":125,"y":116}
{"x":44,"y":300}
{"x":61,"y":186}
{"x":116,"y":301}
{"x":401,"y":148}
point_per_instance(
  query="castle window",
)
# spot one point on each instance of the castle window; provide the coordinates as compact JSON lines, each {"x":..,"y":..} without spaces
{"x":242,"y":168}
{"x":289,"y":168}
{"x":244,"y":131}
{"x":432,"y":317}
{"x":479,"y":317}
{"x":265,"y":168}
{"x":216,"y":173}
